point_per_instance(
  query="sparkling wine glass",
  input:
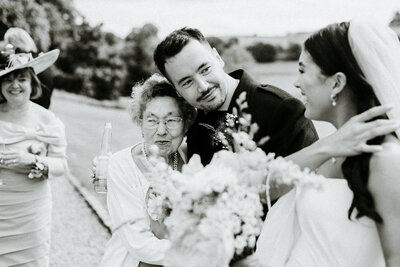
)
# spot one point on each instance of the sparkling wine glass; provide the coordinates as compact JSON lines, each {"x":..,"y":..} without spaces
{"x":2,"y":149}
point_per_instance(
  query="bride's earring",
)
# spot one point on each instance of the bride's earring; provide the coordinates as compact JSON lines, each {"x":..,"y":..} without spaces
{"x":333,"y":99}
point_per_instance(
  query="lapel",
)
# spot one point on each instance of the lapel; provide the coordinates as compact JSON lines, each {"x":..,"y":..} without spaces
{"x":246,"y":84}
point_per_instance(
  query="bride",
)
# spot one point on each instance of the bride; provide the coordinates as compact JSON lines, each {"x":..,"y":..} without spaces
{"x":353,"y":220}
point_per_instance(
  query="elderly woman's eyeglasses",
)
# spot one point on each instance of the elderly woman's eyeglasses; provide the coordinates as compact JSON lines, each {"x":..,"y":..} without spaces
{"x":170,"y":122}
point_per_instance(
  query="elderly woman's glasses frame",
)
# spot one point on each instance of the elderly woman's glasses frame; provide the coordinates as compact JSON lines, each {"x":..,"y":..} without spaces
{"x":170,"y":123}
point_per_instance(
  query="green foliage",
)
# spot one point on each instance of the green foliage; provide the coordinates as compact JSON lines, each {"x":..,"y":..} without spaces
{"x":63,"y":28}
{"x":232,"y":41}
{"x":263,"y":52}
{"x":236,"y":57}
{"x":109,"y":70}
{"x":96,"y":61}
{"x":70,"y":83}
{"x":217,"y":43}
{"x":292,"y":52}
{"x":82,"y":50}
{"x":137,"y":55}
{"x":91,"y":62}
{"x":28,"y":15}
{"x":222,"y":45}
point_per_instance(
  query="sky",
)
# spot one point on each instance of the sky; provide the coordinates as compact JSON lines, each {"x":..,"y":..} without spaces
{"x":232,"y":17}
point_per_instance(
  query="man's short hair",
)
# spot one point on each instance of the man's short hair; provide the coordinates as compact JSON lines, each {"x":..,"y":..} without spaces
{"x":173,"y":44}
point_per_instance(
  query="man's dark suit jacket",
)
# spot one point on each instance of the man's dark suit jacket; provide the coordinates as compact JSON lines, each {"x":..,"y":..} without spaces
{"x":278,"y":115}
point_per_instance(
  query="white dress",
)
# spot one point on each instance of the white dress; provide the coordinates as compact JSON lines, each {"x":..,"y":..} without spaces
{"x":310,"y":227}
{"x":25,"y":204}
{"x":132,"y":240}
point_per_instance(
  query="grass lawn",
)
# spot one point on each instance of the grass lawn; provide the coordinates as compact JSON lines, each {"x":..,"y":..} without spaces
{"x":84,"y":122}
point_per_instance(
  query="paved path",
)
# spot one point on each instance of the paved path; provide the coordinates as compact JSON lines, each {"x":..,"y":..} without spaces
{"x":78,"y":237}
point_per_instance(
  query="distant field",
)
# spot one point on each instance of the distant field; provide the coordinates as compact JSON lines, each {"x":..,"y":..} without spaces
{"x":84,"y":122}
{"x":280,"y":74}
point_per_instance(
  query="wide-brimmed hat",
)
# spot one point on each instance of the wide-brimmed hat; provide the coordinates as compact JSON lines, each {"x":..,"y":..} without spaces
{"x":26,"y":60}
{"x":21,"y":39}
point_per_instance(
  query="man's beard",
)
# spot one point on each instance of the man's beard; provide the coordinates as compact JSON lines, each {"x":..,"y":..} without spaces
{"x":209,"y":106}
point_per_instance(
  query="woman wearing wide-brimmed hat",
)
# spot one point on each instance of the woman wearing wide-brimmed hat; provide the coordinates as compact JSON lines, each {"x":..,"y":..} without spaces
{"x":32,"y":149}
{"x":22,"y":41}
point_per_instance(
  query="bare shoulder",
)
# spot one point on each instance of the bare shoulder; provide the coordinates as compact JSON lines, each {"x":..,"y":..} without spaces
{"x":385,"y":167}
{"x":389,"y":155}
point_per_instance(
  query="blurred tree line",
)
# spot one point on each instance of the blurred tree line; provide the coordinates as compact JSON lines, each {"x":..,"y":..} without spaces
{"x":98,"y":63}
{"x":101,"y":65}
{"x":92,"y":62}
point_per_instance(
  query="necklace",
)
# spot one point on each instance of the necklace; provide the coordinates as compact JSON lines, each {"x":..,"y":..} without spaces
{"x":175,"y":166}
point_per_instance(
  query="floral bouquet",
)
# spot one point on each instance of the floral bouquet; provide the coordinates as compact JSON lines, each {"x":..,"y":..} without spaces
{"x":214,"y":213}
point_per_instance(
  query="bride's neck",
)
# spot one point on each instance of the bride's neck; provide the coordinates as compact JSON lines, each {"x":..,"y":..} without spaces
{"x":342,"y":113}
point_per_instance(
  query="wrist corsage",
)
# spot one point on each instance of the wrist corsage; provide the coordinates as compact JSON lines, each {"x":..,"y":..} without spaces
{"x":38,"y":169}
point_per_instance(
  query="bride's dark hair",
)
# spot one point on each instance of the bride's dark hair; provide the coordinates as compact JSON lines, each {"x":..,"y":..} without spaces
{"x":330,"y":50}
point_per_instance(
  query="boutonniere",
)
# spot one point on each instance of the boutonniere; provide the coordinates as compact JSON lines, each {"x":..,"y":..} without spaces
{"x":236,"y":132}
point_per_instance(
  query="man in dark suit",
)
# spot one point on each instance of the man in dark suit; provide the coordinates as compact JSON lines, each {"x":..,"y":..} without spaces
{"x":196,"y":71}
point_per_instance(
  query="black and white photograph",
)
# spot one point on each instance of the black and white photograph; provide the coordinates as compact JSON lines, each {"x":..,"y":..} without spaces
{"x":184,"y":133}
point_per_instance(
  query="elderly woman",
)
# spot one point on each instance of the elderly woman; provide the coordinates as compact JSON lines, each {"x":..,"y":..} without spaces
{"x":32,"y":149}
{"x":164,"y":118}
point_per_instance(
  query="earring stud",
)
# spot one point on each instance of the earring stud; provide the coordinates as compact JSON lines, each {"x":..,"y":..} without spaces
{"x":333,"y":99}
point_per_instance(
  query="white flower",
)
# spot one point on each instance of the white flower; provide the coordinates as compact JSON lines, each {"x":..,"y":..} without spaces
{"x":240,"y":244}
{"x":251,"y":241}
{"x":214,"y":211}
{"x":210,"y":243}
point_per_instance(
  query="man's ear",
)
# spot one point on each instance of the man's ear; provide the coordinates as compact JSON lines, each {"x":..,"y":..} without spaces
{"x":216,"y":54}
{"x":339,"y":82}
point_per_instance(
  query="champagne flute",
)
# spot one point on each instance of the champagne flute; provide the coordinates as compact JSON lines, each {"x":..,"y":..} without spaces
{"x":100,"y":181}
{"x":2,"y":149}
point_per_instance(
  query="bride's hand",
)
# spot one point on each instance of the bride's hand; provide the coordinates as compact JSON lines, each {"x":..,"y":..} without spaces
{"x":351,"y":139}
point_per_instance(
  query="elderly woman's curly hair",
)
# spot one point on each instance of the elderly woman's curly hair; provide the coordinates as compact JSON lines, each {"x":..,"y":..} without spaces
{"x":157,"y":86}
